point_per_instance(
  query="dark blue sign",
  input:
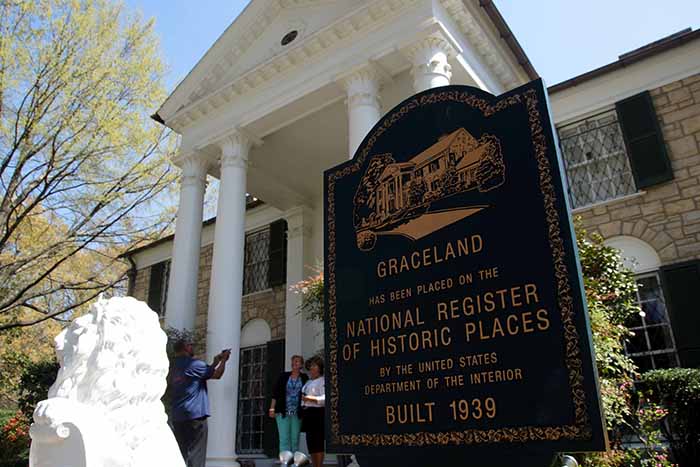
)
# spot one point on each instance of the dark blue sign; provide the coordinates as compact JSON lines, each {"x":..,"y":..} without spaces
{"x":455,"y":314}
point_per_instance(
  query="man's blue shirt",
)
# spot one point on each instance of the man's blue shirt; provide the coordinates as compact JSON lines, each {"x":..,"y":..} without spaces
{"x":189,"y":388}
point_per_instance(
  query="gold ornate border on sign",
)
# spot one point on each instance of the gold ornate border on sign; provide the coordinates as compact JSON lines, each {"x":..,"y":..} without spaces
{"x":581,"y":428}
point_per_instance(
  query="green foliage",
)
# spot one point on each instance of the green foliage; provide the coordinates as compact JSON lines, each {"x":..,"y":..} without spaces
{"x":611,"y":297}
{"x":83,"y":168}
{"x":312,"y":295}
{"x":14,"y":440}
{"x":19,"y":348}
{"x":678,"y":390}
{"x":36,"y":380}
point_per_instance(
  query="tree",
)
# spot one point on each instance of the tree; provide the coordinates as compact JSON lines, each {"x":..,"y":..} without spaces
{"x":491,"y":171}
{"x":83,"y":169}
{"x":417,"y":190}
{"x":449,"y":180}
{"x":365,"y":198}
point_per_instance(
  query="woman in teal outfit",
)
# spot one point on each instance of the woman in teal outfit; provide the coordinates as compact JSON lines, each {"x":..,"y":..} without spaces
{"x":285,"y":405}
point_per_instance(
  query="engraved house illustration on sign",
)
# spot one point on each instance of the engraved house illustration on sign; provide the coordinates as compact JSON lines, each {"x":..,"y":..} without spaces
{"x":408,"y":198}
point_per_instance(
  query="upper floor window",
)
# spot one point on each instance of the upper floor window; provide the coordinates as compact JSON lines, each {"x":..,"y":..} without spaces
{"x":257,"y":261}
{"x":597,"y":167}
{"x":265,"y":258}
{"x":614,"y":153}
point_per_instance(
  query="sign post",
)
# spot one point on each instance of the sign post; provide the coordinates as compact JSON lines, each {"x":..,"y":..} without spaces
{"x":456,"y":324}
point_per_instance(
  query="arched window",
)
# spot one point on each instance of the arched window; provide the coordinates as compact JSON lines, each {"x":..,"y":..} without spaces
{"x":251,"y":386}
{"x":652,"y":345}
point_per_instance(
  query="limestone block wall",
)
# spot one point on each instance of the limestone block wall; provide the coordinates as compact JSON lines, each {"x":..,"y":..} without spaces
{"x":667,"y":216}
{"x":140,"y":289}
{"x":266,"y":304}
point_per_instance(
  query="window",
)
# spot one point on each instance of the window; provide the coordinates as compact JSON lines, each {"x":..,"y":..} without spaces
{"x":597,"y":167}
{"x":434,"y":166}
{"x":158,"y":287}
{"x":251,"y":400}
{"x":652,"y":345}
{"x":257,"y":261}
{"x":265,"y":258}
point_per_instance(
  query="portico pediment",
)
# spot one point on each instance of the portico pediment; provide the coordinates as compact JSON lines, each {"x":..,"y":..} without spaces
{"x":278,"y":50}
{"x":253,"y":39}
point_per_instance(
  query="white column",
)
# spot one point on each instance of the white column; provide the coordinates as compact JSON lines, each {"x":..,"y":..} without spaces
{"x":181,"y":307}
{"x":364,"y":110}
{"x":430,"y":68}
{"x":226,"y":291}
{"x":299,"y":333}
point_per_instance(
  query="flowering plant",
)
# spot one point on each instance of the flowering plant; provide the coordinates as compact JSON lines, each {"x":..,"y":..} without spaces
{"x":312,"y":294}
{"x":14,"y":437}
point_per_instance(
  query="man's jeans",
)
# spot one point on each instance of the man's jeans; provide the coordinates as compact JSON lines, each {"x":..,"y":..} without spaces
{"x":288,"y":428}
{"x":191,"y":436}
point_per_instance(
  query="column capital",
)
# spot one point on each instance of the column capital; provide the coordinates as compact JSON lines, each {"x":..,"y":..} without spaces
{"x":362,"y":85}
{"x":423,"y":48}
{"x":235,"y":149}
{"x":298,"y":221}
{"x":429,"y":57}
{"x":194,"y":168}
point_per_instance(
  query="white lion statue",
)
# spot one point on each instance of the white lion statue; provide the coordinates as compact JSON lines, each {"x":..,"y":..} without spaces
{"x":104,"y":408}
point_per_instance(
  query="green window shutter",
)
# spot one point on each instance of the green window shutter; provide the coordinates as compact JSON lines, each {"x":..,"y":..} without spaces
{"x":681,"y":283}
{"x":277,"y":272}
{"x":644,"y":141}
{"x":273,"y":368}
{"x":155,"y":286}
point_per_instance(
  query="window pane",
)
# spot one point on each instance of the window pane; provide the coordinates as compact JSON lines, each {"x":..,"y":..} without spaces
{"x":251,"y":400}
{"x":654,"y":312}
{"x":597,"y":167}
{"x":638,"y":342}
{"x":665,"y":360}
{"x":643,"y":362}
{"x":652,"y":333}
{"x":660,"y":338}
{"x":257,"y":261}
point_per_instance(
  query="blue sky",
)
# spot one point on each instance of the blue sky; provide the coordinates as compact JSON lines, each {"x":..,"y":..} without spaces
{"x":562,"y":38}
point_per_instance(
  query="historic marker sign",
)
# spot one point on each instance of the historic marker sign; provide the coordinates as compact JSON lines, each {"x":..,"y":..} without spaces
{"x":455,"y":311}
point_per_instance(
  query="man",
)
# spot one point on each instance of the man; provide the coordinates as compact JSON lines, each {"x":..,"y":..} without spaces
{"x":190,"y":404}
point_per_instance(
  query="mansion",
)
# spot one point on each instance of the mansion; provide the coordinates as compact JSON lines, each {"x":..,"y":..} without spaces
{"x":292,"y":87}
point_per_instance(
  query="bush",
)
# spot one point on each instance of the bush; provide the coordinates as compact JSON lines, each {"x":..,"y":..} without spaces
{"x":14,"y":440}
{"x":34,"y":385}
{"x":611,"y":298}
{"x":678,"y":390}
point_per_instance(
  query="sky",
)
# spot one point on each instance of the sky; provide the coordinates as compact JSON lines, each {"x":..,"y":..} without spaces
{"x":562,"y":38}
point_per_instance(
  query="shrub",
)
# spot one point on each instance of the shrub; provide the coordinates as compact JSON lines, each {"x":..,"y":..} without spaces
{"x":34,"y":385}
{"x":678,"y":390}
{"x":611,"y":298}
{"x":14,"y":440}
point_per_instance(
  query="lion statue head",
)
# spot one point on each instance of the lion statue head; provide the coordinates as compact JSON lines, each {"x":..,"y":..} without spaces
{"x":113,"y":362}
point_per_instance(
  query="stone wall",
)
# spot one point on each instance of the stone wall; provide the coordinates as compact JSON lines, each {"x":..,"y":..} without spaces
{"x":666,"y":216}
{"x":140,"y":291}
{"x":266,"y":304}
